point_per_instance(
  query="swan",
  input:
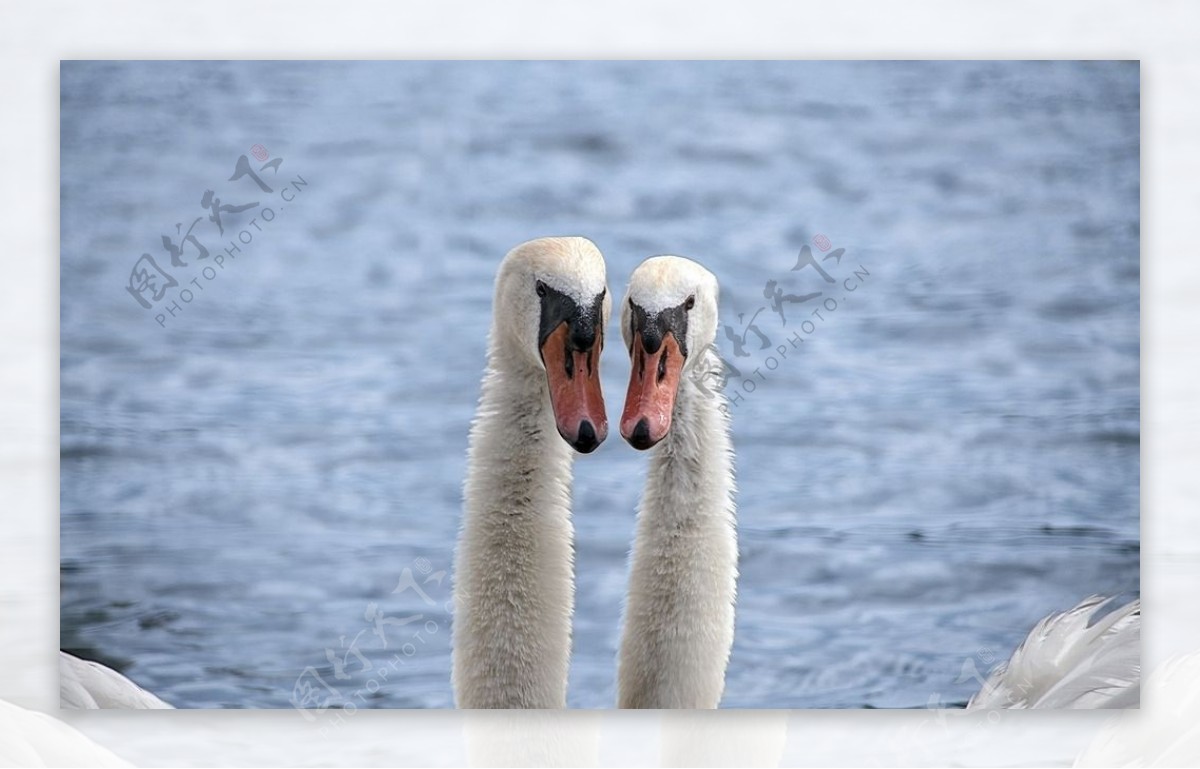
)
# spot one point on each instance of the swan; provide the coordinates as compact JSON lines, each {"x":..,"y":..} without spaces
{"x":1081,"y":658}
{"x":86,"y":685}
{"x":679,"y":613}
{"x":514,"y":580}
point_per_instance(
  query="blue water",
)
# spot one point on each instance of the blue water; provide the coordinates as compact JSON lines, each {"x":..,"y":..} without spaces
{"x":944,"y":458}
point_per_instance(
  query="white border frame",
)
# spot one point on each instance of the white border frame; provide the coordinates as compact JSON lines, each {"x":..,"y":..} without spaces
{"x":34,"y":37}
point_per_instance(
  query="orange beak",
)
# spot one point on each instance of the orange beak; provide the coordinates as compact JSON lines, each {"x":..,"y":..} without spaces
{"x":574,"y":379}
{"x":653,"y":385}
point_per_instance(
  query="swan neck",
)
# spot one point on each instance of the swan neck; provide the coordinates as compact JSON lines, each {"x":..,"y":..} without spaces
{"x":514,"y":579}
{"x":679,"y":616}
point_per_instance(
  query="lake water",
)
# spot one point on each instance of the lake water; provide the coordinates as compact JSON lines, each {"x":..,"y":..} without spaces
{"x":946,"y":457}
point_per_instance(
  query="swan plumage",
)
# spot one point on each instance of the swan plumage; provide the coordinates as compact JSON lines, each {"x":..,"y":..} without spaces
{"x":679,"y":613}
{"x":87,"y":685}
{"x":514,"y":571}
{"x":1081,"y":658}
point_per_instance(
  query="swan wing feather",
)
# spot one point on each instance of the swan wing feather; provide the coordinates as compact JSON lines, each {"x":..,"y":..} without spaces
{"x":85,"y":685}
{"x":1076,"y":659}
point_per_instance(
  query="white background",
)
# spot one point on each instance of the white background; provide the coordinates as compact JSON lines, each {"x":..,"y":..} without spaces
{"x":35,"y":36}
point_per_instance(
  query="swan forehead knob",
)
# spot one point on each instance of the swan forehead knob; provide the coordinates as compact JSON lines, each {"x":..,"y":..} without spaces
{"x":550,"y":281}
{"x":670,"y":293}
{"x":572,"y":266}
{"x":665,"y":282}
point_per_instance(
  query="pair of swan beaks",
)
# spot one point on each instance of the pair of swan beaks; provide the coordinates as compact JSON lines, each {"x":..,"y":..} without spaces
{"x":514,"y":577}
{"x":514,"y":580}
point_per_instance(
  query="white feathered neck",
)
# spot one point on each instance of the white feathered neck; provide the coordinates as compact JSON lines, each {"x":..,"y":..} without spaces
{"x":514,"y":581}
{"x":679,"y":617}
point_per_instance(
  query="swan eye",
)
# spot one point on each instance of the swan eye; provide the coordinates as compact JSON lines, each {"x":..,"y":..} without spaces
{"x":690,"y":303}
{"x":541,"y":288}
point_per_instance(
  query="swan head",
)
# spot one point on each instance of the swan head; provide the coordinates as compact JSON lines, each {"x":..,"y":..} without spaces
{"x":668,"y":317}
{"x":551,"y":307}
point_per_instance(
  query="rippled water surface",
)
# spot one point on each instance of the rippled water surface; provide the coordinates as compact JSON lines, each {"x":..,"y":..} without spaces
{"x":944,"y":458}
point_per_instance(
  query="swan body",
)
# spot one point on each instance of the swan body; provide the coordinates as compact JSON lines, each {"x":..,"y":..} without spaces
{"x":1074,"y":659}
{"x":514,"y":578}
{"x":679,"y":614}
{"x":85,"y":685}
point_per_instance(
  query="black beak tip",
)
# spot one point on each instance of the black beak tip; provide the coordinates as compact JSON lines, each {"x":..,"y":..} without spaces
{"x":640,"y":439}
{"x":586,"y":442}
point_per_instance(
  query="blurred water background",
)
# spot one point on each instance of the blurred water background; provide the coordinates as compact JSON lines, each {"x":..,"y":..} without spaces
{"x":948,"y":456}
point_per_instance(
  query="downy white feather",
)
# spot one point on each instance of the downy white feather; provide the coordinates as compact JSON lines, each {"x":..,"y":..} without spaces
{"x":679,"y":614}
{"x":514,"y":572}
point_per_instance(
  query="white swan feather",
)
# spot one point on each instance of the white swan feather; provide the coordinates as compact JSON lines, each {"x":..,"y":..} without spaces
{"x":86,"y":685}
{"x":1076,"y":659}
